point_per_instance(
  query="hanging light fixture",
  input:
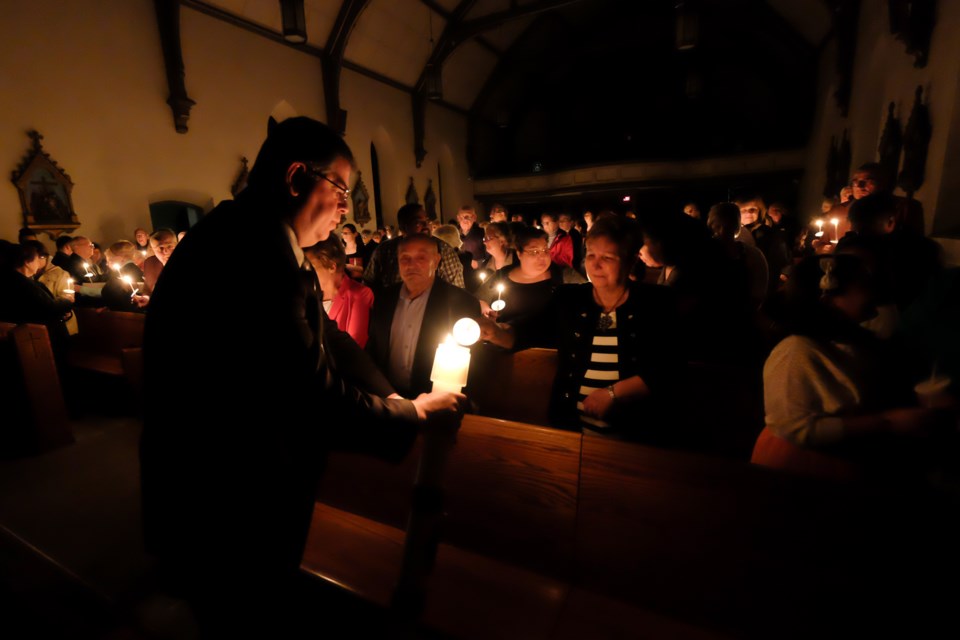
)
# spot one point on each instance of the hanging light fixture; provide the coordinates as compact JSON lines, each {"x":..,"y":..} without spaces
{"x":294,"y":21}
{"x":432,"y":78}
{"x":688,"y":25}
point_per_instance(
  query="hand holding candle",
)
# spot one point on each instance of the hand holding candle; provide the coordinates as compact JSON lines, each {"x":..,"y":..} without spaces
{"x":452,"y":361}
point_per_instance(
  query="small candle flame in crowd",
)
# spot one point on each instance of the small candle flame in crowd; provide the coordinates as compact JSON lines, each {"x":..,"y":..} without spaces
{"x":819,"y":233}
{"x":499,"y":304}
{"x":836,"y":223}
{"x":483,"y":276}
{"x":129,"y":281}
{"x":69,"y":290}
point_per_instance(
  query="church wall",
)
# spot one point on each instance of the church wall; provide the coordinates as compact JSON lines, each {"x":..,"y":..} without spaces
{"x":884,"y":72}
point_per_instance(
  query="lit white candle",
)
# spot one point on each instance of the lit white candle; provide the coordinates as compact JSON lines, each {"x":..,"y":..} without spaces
{"x":836,"y":235}
{"x":819,"y":233}
{"x":86,"y":270}
{"x":451,"y":363}
{"x":69,"y":290}
{"x":129,"y":281}
{"x":143,"y":253}
{"x":499,"y":304}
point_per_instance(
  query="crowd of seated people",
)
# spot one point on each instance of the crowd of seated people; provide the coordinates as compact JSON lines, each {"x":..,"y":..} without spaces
{"x":626,"y":300}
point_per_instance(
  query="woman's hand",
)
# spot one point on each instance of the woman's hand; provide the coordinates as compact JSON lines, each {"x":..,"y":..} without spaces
{"x":494,"y":333}
{"x":598,"y":403}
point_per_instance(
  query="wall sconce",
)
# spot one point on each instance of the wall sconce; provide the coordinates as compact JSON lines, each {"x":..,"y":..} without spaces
{"x":433,"y":82}
{"x":432,"y":79}
{"x":294,"y":21}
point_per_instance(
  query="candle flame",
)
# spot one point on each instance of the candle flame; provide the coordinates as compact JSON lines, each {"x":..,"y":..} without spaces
{"x":499,"y":288}
{"x":483,"y":276}
{"x":86,"y":266}
{"x":819,"y":223}
{"x":128,"y":280}
{"x":835,"y":221}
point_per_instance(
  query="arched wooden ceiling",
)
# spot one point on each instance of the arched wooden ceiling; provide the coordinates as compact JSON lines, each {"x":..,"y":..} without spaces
{"x":481,"y":45}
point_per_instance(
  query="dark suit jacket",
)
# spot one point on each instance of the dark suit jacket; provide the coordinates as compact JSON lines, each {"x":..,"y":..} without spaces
{"x":247,"y":388}
{"x":23,"y":299}
{"x":445,"y":306}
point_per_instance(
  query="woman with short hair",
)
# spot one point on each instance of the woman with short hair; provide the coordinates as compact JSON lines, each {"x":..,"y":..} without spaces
{"x":615,"y":340}
{"x":528,"y":284}
{"x":346,"y":301}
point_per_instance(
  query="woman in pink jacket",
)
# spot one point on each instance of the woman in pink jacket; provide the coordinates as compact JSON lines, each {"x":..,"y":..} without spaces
{"x":346,"y":301}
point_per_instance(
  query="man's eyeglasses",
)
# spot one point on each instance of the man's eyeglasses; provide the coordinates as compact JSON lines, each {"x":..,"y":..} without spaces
{"x":537,"y":252}
{"x":343,"y":192}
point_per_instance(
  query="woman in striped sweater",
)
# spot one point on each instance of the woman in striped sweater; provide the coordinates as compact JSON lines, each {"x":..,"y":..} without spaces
{"x":615,"y":340}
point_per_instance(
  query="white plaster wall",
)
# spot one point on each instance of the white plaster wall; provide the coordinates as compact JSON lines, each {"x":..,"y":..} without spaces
{"x":90,"y":77}
{"x":883,"y":72}
{"x":383,"y":115}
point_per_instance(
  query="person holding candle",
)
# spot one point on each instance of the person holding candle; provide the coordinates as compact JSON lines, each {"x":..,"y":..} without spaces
{"x":23,"y":299}
{"x":118,"y":294}
{"x":618,"y":353}
{"x":526,"y":286}
{"x":271,"y":388}
{"x":60,"y":284}
{"x":81,"y":264}
{"x":410,"y":319}
{"x":831,"y":385}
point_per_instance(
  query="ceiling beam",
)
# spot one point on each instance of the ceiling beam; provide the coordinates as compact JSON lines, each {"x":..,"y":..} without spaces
{"x":471,"y":28}
{"x":332,"y":61}
{"x":483,"y":42}
{"x":316,"y":52}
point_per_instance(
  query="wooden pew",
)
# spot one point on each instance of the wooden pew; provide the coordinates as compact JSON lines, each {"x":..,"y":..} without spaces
{"x":31,"y":396}
{"x":503,"y":568}
{"x":513,"y":386}
{"x":743,"y":549}
{"x":664,"y":544}
{"x":102,"y":336}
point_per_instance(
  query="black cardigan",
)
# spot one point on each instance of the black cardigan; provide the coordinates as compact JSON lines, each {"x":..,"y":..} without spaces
{"x":647,"y":347}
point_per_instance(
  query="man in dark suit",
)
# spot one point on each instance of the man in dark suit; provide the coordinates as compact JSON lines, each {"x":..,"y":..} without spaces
{"x":269,"y":385}
{"x":410,"y":319}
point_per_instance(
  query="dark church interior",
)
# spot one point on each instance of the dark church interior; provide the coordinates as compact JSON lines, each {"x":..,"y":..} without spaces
{"x":534,"y":319}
